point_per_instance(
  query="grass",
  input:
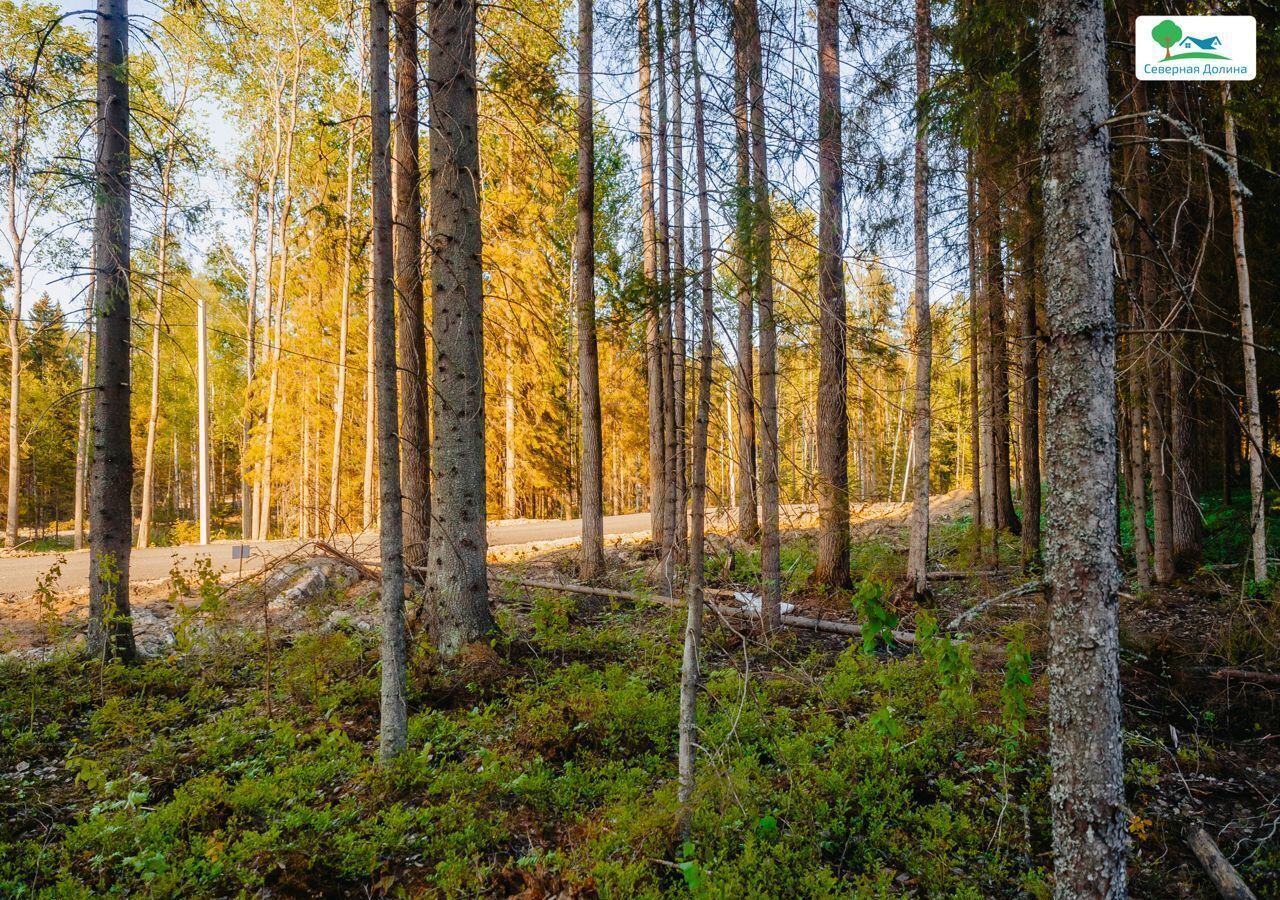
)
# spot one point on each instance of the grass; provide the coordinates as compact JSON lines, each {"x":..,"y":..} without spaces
{"x":548,"y":761}
{"x":546,"y":764}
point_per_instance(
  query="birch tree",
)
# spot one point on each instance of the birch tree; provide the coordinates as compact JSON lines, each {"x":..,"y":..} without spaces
{"x":1253,"y":415}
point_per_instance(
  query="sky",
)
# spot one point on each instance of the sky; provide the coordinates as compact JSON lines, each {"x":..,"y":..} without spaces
{"x":789,"y":97}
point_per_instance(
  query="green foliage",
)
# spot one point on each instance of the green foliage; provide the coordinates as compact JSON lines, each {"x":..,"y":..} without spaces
{"x":1015,"y":696}
{"x":1166,"y":33}
{"x":851,"y":775}
{"x":870,"y":601}
{"x":550,"y":618}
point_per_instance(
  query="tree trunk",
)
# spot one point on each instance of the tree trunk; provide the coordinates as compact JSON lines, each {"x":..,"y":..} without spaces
{"x":833,"y":407}
{"x":668,"y":543}
{"x":762,"y":257}
{"x":975,"y":399}
{"x":989,"y":229}
{"x":82,"y":427}
{"x":1138,"y":467}
{"x":1187,"y":523}
{"x":248,"y":497}
{"x":394,"y":723}
{"x":368,"y":509}
{"x":277,"y":343}
{"x":1030,"y":384}
{"x":1156,"y":372}
{"x":748,"y":512}
{"x":415,"y":449}
{"x":697,"y":524}
{"x":1253,"y":415}
{"x":678,"y":299}
{"x":509,"y":507}
{"x":457,"y":582}
{"x":922,"y":339}
{"x":344,"y":327}
{"x":591,"y":468}
{"x":110,"y":632}
{"x":1087,"y":788}
{"x":15,"y":364}
{"x":157,"y":327}
{"x":653,"y":328}
{"x":259,"y":485}
{"x":202,"y":415}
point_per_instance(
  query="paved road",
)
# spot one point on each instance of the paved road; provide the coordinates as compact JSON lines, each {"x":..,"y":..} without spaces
{"x":19,"y":575}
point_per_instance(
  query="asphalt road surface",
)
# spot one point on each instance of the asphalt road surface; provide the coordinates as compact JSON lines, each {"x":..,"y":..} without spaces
{"x":19,"y":574}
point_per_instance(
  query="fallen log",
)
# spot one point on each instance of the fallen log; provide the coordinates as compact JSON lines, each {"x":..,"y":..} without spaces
{"x":829,"y":626}
{"x":1031,"y":587}
{"x":1249,"y":675}
{"x":1220,"y":871}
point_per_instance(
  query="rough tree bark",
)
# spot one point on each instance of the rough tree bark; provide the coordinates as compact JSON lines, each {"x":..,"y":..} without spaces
{"x":922,"y":339}
{"x":989,"y":234}
{"x":591,"y":558}
{"x":1087,"y":786}
{"x":748,"y":507}
{"x":1155,"y":369}
{"x":1253,"y":415}
{"x":653,"y":326}
{"x":415,"y":450}
{"x":1137,"y":480}
{"x":394,"y":722}
{"x":1030,"y":341}
{"x":666,"y":332}
{"x":833,"y":409}
{"x":1188,"y":525}
{"x":679,"y":282}
{"x":110,"y":632}
{"x":697,"y":524}
{"x":975,"y":400}
{"x":762,"y":259}
{"x":457,"y":578}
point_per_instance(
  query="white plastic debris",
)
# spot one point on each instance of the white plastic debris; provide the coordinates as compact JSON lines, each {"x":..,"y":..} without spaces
{"x":751,"y":603}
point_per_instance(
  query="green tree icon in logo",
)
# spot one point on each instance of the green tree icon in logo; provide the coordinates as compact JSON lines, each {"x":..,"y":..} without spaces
{"x":1167,"y":33}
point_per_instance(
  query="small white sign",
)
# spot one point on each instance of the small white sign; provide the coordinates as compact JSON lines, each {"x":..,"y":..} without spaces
{"x":241,"y":551}
{"x":1196,"y":48}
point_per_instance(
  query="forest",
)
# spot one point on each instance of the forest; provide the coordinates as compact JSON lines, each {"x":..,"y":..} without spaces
{"x":639,"y":448}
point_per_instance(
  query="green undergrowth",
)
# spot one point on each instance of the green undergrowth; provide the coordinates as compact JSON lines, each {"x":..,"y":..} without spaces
{"x":544,"y":764}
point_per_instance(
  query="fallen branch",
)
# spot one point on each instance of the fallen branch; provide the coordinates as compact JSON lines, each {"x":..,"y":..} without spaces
{"x":1031,"y":587}
{"x":1249,"y":675}
{"x":362,"y":568}
{"x":1220,"y":871}
{"x":829,"y":626}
